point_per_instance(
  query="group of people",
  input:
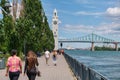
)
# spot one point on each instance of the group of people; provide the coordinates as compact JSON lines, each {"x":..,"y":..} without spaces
{"x":54,"y":56}
{"x":14,"y":64}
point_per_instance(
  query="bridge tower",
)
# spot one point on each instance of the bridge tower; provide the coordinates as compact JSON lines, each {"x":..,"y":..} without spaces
{"x":55,"y":28}
{"x":116,"y":46}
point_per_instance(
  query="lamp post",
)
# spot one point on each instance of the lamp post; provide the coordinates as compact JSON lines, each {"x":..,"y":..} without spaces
{"x":61,"y":45}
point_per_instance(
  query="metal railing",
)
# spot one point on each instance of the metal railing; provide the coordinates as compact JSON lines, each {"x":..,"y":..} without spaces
{"x":83,"y":72}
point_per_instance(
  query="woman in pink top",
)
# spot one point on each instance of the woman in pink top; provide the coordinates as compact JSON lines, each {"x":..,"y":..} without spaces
{"x":14,"y":66}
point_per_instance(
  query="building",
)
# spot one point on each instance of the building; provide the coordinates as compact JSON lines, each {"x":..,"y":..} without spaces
{"x":55,"y":28}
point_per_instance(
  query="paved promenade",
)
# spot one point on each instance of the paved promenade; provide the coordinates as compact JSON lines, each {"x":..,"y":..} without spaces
{"x":51,"y":72}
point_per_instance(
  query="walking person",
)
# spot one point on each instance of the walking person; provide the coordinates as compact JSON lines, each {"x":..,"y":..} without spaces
{"x":30,"y":65}
{"x":54,"y":57}
{"x":14,"y":66}
{"x":47,"y":56}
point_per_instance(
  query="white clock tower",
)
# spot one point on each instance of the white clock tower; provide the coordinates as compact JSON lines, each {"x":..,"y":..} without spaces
{"x":55,"y":29}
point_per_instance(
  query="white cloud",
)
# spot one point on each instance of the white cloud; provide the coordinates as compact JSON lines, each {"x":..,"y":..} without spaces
{"x":78,"y":29}
{"x":89,"y":13}
{"x":113,"y":11}
{"x":108,"y":28}
{"x":97,"y":2}
{"x":112,"y":29}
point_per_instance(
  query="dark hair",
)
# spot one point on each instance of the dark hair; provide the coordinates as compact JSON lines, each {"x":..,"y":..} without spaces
{"x":13,"y":52}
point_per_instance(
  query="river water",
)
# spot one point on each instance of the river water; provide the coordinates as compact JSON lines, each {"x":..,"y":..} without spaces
{"x":106,"y":63}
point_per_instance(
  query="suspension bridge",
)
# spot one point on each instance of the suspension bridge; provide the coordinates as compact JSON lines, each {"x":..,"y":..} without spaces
{"x":91,"y":38}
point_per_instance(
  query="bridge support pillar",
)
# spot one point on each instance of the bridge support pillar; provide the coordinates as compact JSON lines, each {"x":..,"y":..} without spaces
{"x":116,"y":46}
{"x":92,"y":46}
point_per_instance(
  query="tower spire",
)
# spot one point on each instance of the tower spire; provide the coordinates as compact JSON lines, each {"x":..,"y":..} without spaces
{"x":55,"y":28}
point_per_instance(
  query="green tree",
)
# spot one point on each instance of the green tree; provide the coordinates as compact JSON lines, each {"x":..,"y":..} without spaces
{"x":37,"y":33}
{"x":7,"y":25}
{"x":29,"y":30}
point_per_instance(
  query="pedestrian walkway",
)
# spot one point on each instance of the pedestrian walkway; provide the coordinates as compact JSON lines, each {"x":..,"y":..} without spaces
{"x":51,"y":72}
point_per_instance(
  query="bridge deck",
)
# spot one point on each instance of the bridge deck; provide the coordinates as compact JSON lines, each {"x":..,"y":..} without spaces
{"x":51,"y":72}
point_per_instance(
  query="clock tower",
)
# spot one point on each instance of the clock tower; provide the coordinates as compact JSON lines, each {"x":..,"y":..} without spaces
{"x":55,"y":29}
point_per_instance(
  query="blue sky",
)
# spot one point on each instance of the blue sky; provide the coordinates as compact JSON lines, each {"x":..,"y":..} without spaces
{"x":81,"y":17}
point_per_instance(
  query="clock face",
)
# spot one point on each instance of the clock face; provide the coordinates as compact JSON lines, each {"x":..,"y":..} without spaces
{"x":55,"y":35}
{"x":55,"y":22}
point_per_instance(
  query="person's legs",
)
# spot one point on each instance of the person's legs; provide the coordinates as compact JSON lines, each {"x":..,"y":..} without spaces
{"x":14,"y":75}
{"x":54,"y":61}
{"x":11,"y":75}
{"x":33,"y":76}
{"x":28,"y":75}
{"x":47,"y":60}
